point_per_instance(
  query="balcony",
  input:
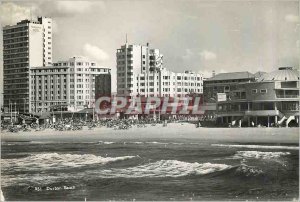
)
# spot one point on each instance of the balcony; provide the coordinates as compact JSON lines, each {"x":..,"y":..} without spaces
{"x":263,"y":113}
{"x":231,"y":113}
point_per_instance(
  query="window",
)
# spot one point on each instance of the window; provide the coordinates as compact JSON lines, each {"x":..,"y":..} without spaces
{"x":254,"y":91}
{"x":263,"y":90}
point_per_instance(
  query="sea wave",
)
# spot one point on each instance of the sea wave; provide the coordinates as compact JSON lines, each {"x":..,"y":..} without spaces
{"x":248,"y":171}
{"x":164,"y":168}
{"x":56,"y":161}
{"x":259,"y":154}
{"x":105,"y":142}
{"x":154,"y":142}
{"x":257,"y":146}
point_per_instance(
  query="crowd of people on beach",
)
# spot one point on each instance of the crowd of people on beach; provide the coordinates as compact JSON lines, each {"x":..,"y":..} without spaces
{"x":68,"y":124}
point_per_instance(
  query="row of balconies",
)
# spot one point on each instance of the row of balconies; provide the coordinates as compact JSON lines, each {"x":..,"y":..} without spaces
{"x":15,"y":41}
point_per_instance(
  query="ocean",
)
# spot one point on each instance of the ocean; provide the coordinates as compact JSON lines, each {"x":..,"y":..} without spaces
{"x":158,"y":169}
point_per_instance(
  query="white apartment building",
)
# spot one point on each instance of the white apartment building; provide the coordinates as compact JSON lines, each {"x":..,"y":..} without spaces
{"x":166,"y":83}
{"x":140,"y":72}
{"x":133,"y":60}
{"x":26,"y":44}
{"x":68,"y":85}
{"x":47,"y":28}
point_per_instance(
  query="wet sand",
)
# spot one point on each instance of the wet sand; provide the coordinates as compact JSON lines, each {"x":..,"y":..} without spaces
{"x":173,"y":130}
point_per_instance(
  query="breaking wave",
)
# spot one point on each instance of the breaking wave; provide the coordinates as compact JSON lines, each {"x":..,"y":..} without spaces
{"x":156,"y":142}
{"x":257,"y":146}
{"x":164,"y":168}
{"x":260,"y":154}
{"x":56,"y":161}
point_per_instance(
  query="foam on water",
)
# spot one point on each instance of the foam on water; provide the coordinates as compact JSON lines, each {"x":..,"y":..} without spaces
{"x":56,"y":161}
{"x":260,"y":154}
{"x":257,"y":146}
{"x":246,"y":170}
{"x":105,"y":142}
{"x":156,"y":142}
{"x":164,"y":168}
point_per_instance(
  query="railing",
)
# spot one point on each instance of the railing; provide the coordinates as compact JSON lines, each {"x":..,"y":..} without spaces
{"x":287,"y":96}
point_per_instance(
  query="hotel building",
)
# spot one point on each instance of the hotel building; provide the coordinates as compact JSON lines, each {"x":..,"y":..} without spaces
{"x":26,"y":44}
{"x":66,"y":85}
{"x":270,"y":100}
{"x":223,"y":83}
{"x":140,"y":72}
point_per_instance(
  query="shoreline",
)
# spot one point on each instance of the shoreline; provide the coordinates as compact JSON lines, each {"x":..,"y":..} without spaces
{"x":173,"y":130}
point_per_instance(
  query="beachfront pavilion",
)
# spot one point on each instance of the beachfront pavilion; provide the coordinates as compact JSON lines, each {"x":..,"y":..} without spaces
{"x":272,"y":100}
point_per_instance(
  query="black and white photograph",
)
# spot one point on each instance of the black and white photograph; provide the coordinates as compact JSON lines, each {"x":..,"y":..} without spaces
{"x":149,"y":100}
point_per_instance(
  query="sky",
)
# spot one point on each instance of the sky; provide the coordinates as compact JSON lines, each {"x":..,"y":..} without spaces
{"x":202,"y":36}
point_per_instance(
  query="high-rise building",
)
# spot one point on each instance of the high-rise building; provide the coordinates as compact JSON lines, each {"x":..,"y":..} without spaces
{"x":140,"y":72}
{"x":66,"y":84}
{"x":26,"y":44}
{"x":133,"y":60}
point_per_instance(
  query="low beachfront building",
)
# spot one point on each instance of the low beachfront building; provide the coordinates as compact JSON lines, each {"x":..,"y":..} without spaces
{"x":222,"y":84}
{"x":271,"y":100}
{"x":64,"y":86}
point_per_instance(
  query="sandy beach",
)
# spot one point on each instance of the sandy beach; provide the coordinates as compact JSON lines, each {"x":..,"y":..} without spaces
{"x":173,"y":130}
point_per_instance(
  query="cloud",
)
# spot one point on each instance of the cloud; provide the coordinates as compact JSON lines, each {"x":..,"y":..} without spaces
{"x":188,"y":54}
{"x":95,"y":52}
{"x":208,"y":73}
{"x":208,"y":55}
{"x":70,"y":7}
{"x":291,"y":18}
{"x":11,"y":13}
{"x":54,"y":26}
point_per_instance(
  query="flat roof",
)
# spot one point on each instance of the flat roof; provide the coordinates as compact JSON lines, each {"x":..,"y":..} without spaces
{"x":232,"y":76}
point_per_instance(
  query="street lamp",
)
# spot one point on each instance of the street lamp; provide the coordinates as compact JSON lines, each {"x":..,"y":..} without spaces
{"x":15,"y":111}
{"x":10,"y":110}
{"x":24,"y":105}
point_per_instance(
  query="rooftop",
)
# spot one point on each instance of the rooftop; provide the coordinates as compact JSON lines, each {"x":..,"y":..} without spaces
{"x":282,"y":74}
{"x":232,"y":76}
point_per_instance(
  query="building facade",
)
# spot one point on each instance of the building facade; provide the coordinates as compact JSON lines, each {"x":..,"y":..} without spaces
{"x":140,"y":72}
{"x":224,"y":83}
{"x":271,"y":100}
{"x":103,"y":85}
{"x":166,"y":83}
{"x":68,"y":85}
{"x":133,"y":60}
{"x":26,"y":44}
